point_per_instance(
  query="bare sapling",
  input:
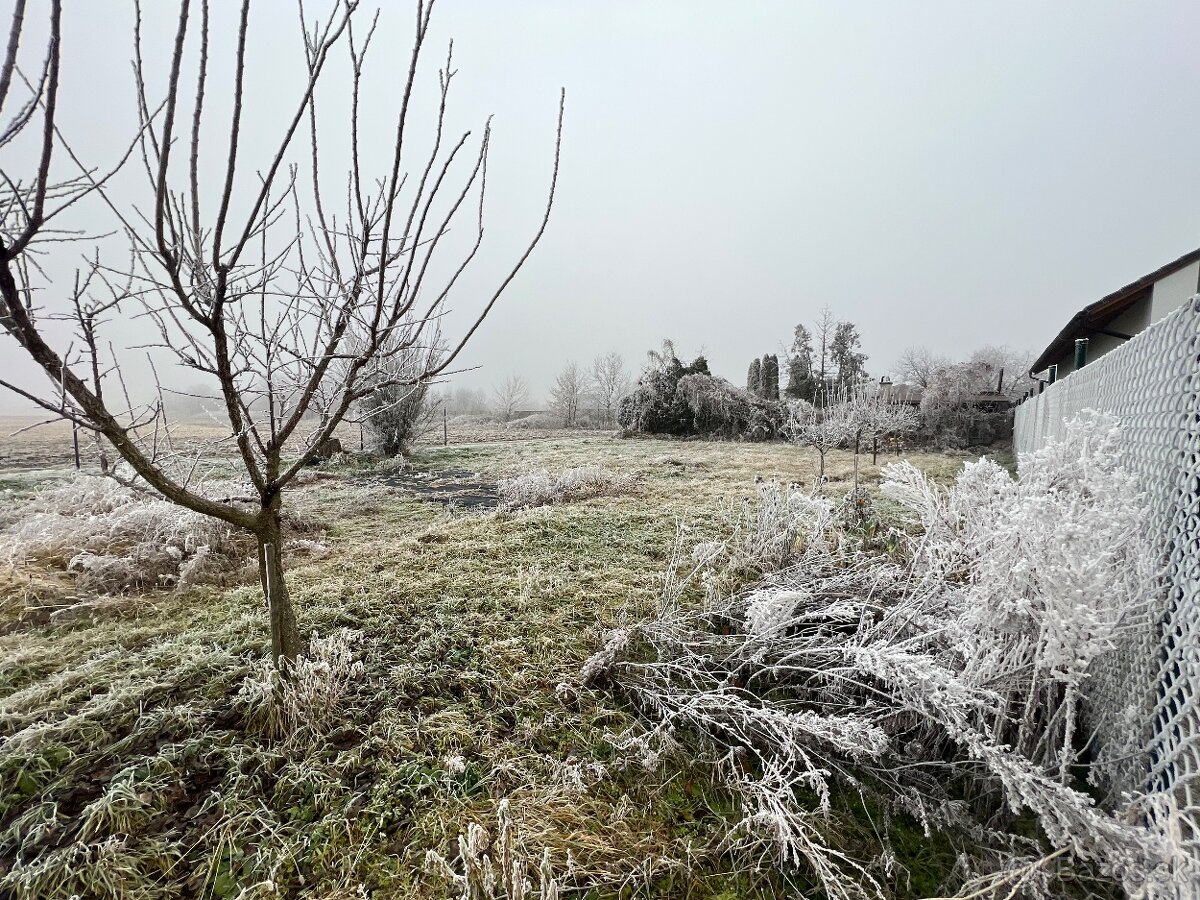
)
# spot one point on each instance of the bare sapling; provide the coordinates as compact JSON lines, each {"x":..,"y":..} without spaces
{"x":287,"y":292}
{"x":823,"y":429}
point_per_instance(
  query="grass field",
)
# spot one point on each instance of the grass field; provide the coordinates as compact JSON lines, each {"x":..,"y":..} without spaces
{"x":134,"y":761}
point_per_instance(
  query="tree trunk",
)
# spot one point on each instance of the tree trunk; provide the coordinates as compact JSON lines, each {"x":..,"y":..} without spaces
{"x":875,"y":450}
{"x":285,"y":634}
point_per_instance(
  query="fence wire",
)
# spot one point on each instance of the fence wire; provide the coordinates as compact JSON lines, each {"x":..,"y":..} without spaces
{"x":1144,"y":702}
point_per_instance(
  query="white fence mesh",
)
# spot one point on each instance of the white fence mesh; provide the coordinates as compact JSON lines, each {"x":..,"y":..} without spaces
{"x":1147,"y":702}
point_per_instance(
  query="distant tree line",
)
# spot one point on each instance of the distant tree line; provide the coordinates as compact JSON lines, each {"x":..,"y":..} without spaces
{"x":828,"y":398}
{"x":589,"y":397}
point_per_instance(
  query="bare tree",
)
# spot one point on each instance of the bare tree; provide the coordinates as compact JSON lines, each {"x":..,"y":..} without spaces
{"x":1008,"y":368}
{"x":917,"y":365}
{"x":510,"y":395}
{"x":288,"y":303}
{"x":566,"y":394}
{"x":465,"y":401}
{"x":874,"y":418}
{"x":823,"y":334}
{"x":609,"y":383}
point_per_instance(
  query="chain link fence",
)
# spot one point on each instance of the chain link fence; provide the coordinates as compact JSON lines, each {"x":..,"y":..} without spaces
{"x":1143,"y":705}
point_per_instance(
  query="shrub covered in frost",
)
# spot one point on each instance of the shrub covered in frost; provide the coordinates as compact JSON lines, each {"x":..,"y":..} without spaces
{"x":684,"y":400}
{"x":961,"y":665}
{"x":114,"y":538}
{"x":537,"y":421}
{"x":542,"y":488}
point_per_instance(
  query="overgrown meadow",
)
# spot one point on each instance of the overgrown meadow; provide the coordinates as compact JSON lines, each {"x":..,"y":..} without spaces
{"x":134,"y":764}
{"x":535,"y":669}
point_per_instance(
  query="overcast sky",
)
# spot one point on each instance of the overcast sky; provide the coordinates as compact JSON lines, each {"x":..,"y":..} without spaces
{"x":945,"y":174}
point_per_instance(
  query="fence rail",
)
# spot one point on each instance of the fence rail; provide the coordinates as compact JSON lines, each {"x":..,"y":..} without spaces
{"x":1148,"y":698}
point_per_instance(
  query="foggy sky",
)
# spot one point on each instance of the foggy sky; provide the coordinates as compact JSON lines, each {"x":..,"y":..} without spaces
{"x":944,"y":174}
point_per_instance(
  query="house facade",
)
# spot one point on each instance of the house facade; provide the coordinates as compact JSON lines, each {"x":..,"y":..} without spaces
{"x":1113,"y":319}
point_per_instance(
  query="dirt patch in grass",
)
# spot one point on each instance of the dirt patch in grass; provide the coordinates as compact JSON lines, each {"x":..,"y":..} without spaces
{"x":459,"y":487}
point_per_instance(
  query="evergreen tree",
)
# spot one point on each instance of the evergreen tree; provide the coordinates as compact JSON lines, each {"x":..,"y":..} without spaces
{"x":848,"y":363}
{"x":754,"y":377}
{"x":800,"y":384}
{"x":770,"y":377}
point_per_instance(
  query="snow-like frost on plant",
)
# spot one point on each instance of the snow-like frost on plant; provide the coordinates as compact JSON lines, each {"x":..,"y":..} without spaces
{"x":543,"y":488}
{"x":486,"y":869}
{"x":115,"y":538}
{"x":304,"y":704}
{"x":968,"y":660}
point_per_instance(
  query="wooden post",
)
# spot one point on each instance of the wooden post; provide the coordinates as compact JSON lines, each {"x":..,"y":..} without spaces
{"x":75,"y":441}
{"x":445,"y":428}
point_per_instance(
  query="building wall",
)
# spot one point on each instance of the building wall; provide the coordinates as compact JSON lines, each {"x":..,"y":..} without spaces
{"x":1133,"y":320}
{"x":1166,"y":296}
{"x":1171,"y":292}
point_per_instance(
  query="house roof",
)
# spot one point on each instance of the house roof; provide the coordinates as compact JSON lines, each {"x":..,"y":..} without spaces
{"x":1096,"y":316}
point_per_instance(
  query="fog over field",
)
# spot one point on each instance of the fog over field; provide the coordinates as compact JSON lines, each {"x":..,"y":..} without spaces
{"x":939,"y":173}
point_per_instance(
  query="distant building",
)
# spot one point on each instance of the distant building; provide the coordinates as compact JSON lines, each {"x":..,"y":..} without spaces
{"x":898,"y":392}
{"x":1115,"y":318}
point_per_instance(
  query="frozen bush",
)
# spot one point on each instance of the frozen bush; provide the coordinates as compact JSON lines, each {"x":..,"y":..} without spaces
{"x":671,"y":398}
{"x":966,"y":661}
{"x":542,"y":488}
{"x":116,"y":539}
{"x":394,"y":417}
{"x":540,"y":421}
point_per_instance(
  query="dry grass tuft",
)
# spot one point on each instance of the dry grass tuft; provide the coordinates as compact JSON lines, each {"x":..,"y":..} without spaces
{"x":115,"y":539}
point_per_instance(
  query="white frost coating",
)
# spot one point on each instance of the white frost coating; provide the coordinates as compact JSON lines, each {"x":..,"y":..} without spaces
{"x":542,"y":488}
{"x":1148,"y":696}
{"x":985,"y":636}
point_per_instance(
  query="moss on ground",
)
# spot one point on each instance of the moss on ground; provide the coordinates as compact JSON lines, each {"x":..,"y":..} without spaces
{"x":129,"y":767}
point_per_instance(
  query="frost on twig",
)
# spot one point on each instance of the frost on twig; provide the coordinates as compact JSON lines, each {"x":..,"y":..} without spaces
{"x":980,"y":656}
